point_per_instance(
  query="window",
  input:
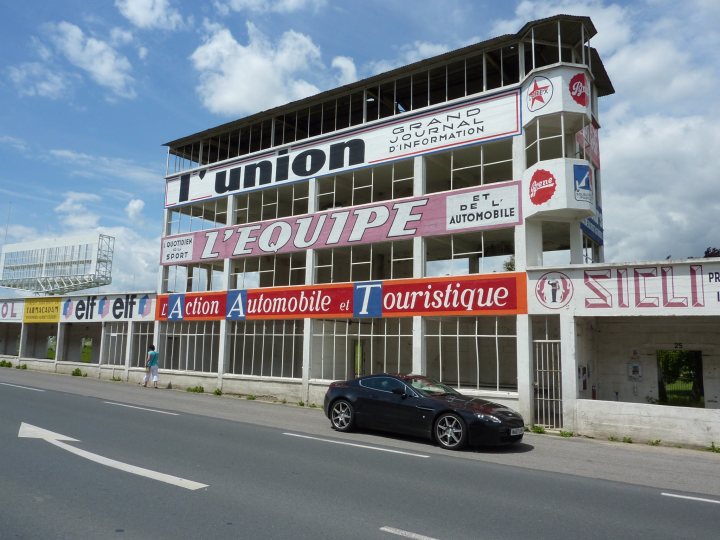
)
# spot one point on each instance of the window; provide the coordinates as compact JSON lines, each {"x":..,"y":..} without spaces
{"x":472,"y":352}
{"x":266,"y":348}
{"x":466,"y":167}
{"x":469,"y":253}
{"x":383,"y":384}
{"x":344,"y":349}
{"x":680,"y":378}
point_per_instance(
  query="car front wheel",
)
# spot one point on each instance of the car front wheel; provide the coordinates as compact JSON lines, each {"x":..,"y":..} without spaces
{"x":450,"y":431}
{"x":342,"y":416}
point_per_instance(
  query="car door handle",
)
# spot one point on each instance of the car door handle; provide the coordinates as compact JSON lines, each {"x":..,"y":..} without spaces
{"x":424,"y":408}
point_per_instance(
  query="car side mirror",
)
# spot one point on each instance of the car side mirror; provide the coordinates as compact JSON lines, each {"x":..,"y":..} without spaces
{"x":399,"y":392}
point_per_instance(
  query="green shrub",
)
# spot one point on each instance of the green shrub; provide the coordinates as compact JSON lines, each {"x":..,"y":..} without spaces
{"x":611,"y":438}
{"x":217,"y":392}
{"x":654,"y":442}
{"x":76,"y":372}
{"x":566,"y":433}
{"x":714,"y":448}
{"x":198,"y":389}
{"x":537,"y":429}
{"x":251,"y":397}
{"x":4,"y":363}
{"x":627,"y":440}
{"x":301,"y":403}
{"x":24,"y":366}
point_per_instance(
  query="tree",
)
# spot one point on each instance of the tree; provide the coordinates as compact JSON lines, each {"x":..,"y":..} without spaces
{"x":712,"y":252}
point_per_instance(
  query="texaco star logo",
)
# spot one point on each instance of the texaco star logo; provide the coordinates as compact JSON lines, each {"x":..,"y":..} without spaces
{"x":539,"y":93}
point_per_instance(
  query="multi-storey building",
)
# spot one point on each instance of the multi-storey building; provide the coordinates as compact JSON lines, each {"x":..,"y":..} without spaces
{"x":386,"y":225}
{"x":444,"y":218}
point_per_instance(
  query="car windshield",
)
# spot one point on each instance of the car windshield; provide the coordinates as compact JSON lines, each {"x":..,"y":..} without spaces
{"x":431,"y":387}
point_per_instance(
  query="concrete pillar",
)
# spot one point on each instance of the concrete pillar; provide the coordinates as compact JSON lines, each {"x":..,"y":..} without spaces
{"x":419,"y":356}
{"x":533,"y":243}
{"x":23,"y":340}
{"x":60,"y":343}
{"x":568,"y":351}
{"x":525,"y":368}
{"x":576,"y":243}
{"x":307,"y":350}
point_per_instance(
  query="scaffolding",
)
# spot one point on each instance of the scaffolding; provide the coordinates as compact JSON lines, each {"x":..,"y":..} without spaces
{"x":58,"y":266}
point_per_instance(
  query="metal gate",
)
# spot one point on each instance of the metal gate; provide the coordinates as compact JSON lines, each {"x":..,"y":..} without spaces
{"x":548,"y":389}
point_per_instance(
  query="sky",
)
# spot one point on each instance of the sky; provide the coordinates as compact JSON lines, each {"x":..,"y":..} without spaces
{"x":90,"y":92}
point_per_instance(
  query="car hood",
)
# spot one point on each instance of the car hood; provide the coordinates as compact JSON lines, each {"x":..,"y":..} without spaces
{"x":479,"y":405}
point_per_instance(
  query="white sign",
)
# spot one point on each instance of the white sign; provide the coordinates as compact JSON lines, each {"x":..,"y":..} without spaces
{"x":490,"y":208}
{"x":400,"y":137}
{"x":642,"y":289}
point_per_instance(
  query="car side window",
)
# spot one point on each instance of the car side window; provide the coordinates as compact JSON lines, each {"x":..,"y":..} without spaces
{"x":384,"y":384}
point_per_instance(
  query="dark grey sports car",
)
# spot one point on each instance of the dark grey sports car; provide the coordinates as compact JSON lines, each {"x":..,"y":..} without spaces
{"x":418,"y":406}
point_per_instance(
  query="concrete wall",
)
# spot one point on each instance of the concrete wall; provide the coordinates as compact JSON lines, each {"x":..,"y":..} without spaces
{"x":642,"y":422}
{"x":619,"y":341}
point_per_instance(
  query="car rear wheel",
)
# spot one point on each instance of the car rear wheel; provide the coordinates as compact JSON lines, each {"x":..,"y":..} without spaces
{"x":450,"y":431}
{"x":342,"y":415}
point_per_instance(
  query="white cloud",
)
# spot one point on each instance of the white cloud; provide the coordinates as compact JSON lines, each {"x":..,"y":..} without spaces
{"x":347,"y":69}
{"x":97,"y":58}
{"x":242,"y":79}
{"x":134,"y":209}
{"x":150,"y":14}
{"x":87,"y":165}
{"x":613,"y":22}
{"x":13,"y":142}
{"x":35,"y":79}
{"x":409,"y":53}
{"x":74,"y":214}
{"x":264,"y":6}
{"x":120,"y":36}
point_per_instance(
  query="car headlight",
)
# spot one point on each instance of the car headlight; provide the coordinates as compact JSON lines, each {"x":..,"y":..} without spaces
{"x":488,"y":417}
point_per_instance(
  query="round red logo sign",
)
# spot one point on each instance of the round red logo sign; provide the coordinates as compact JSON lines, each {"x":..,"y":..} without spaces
{"x":579,"y":89}
{"x":542,"y":187}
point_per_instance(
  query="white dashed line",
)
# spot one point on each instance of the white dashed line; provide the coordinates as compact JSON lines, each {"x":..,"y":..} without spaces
{"x":141,"y":408}
{"x":357,"y":445}
{"x":23,"y":387}
{"x":406,"y":534}
{"x":699,"y":499}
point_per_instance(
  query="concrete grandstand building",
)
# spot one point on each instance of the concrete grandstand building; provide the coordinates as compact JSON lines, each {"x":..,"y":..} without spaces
{"x":444,"y":218}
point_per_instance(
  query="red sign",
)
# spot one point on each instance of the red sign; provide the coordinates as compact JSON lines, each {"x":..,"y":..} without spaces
{"x":462,"y":295}
{"x":579,"y":89}
{"x":293,"y":302}
{"x":191,"y":307}
{"x":542,"y":187}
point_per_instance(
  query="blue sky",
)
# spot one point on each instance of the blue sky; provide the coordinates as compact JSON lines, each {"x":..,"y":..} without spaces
{"x":91,"y":90}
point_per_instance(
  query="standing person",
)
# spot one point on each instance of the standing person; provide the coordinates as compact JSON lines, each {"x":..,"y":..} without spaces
{"x":151,"y":365}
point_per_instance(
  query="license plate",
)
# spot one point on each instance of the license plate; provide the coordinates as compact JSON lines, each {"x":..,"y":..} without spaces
{"x":517,"y":431}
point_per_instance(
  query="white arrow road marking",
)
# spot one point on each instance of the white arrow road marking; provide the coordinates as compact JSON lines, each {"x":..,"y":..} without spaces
{"x":34,"y":432}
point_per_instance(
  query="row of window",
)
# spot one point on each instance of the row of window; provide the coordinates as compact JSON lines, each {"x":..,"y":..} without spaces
{"x":558,"y":41}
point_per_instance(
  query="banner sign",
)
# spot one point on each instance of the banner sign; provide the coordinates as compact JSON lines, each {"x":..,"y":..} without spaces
{"x":650,"y":289}
{"x":42,"y":310}
{"x":98,"y":308}
{"x":11,"y":310}
{"x":485,"y":207}
{"x":487,"y":294}
{"x":400,"y":137}
{"x":587,"y":139}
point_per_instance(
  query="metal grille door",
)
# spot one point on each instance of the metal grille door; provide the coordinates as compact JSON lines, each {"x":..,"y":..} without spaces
{"x":548,"y":389}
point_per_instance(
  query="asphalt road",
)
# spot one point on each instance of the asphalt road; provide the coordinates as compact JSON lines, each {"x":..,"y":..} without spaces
{"x":259,"y":470}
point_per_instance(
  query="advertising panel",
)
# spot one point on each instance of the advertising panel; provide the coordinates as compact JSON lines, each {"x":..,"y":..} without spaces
{"x":559,"y":184}
{"x":98,"y":308}
{"x":487,"y":294}
{"x":554,"y":90}
{"x":11,"y":310}
{"x":485,"y":207}
{"x":42,"y":310}
{"x":642,"y":289}
{"x":403,"y":136}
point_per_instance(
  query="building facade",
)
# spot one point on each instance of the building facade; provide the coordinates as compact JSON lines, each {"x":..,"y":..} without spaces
{"x":444,"y":218}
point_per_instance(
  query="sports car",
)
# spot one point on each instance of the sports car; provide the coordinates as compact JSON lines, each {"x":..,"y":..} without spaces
{"x":419,"y":406}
